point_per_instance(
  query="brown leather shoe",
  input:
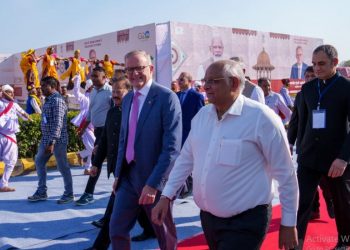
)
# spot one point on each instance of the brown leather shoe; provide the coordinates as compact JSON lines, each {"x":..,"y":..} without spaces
{"x":7,"y":189}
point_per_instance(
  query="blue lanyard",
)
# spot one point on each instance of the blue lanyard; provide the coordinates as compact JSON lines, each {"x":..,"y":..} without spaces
{"x":321,"y":94}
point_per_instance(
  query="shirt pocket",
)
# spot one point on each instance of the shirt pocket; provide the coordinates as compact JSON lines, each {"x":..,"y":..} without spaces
{"x":230,"y":152}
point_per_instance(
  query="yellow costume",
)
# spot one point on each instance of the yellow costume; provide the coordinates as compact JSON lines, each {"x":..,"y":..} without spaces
{"x":29,"y":68}
{"x":49,"y":66}
{"x":108,"y":66}
{"x":73,"y":69}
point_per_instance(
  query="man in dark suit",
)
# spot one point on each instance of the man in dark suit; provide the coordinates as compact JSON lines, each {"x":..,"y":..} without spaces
{"x":108,"y":147}
{"x":150,"y":141}
{"x":191,"y":102}
{"x":298,"y":69}
{"x":324,"y":148}
{"x":294,"y":135}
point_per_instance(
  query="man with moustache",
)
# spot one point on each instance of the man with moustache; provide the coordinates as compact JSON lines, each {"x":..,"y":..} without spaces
{"x":324,"y":147}
{"x":150,"y":141}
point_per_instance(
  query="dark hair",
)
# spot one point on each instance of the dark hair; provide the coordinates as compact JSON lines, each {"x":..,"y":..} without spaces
{"x":99,"y":69}
{"x":309,"y":69}
{"x":261,"y":80}
{"x":123,"y":80}
{"x":329,"y":50}
{"x":285,"y":81}
{"x":49,"y":80}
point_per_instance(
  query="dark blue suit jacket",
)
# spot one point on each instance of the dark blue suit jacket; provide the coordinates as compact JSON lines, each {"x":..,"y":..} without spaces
{"x":190,"y":106}
{"x":158,"y":137}
{"x":294,"y":71}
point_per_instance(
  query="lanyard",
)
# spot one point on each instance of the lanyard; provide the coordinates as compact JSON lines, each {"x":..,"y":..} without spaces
{"x":321,"y":94}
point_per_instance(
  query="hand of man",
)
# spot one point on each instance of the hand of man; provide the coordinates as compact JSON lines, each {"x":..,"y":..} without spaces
{"x":288,"y":237}
{"x":148,"y":195}
{"x":160,"y":210}
{"x":115,"y":184}
{"x":337,"y":168}
{"x":94,"y":150}
{"x":93,"y":171}
{"x":49,"y":149}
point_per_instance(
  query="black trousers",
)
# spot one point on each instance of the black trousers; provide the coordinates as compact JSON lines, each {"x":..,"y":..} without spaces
{"x":246,"y":230}
{"x":339,"y":187}
{"x":90,"y":185}
{"x":327,"y":195}
{"x":103,"y":241}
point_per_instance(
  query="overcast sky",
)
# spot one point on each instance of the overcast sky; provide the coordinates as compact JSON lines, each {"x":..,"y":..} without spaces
{"x":38,"y":23}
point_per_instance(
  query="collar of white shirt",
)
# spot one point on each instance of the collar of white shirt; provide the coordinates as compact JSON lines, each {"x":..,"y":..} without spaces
{"x":235,"y":109}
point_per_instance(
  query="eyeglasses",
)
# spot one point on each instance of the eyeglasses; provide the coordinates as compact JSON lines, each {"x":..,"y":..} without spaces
{"x":212,"y":81}
{"x":181,"y":79}
{"x":138,"y":69}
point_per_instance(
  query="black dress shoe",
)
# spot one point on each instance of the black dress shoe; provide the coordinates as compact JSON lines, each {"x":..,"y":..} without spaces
{"x":99,"y":223}
{"x":142,"y":237}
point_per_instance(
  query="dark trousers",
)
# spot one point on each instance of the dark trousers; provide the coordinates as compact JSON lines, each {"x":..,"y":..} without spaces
{"x":326,"y":195}
{"x":246,"y":230}
{"x":102,"y":240}
{"x":90,"y":185}
{"x":125,"y":212}
{"x":339,"y":187}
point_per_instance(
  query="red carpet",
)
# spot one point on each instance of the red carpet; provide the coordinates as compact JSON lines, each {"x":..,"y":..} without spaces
{"x":321,"y":233}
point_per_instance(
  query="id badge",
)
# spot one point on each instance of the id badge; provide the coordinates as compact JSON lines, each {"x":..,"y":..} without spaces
{"x":44,"y":119}
{"x":319,"y":118}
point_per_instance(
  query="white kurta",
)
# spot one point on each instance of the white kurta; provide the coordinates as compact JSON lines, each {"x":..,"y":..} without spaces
{"x":9,"y":126}
{"x":88,"y":137}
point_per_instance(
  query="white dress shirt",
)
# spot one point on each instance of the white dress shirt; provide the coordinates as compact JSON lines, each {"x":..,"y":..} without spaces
{"x":276,"y":103}
{"x":142,"y":97}
{"x":258,"y":95}
{"x":286,"y":97}
{"x":234,"y":160}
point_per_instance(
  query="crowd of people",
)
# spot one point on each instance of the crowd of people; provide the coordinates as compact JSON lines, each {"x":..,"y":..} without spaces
{"x":223,"y":138}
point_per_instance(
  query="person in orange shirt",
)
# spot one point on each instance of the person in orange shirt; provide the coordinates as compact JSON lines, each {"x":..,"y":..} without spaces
{"x":49,"y":63}
{"x":75,"y":67}
{"x":29,"y":68}
{"x":108,"y":66}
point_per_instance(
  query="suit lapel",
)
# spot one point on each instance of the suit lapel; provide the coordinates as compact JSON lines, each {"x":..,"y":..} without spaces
{"x":146,"y":108}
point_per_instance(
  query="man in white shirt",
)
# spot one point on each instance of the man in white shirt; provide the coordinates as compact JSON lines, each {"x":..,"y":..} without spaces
{"x":234,"y":149}
{"x":284,"y":92}
{"x":275,"y":100}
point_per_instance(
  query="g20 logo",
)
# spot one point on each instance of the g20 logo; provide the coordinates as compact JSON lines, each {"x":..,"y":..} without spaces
{"x":144,"y":35}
